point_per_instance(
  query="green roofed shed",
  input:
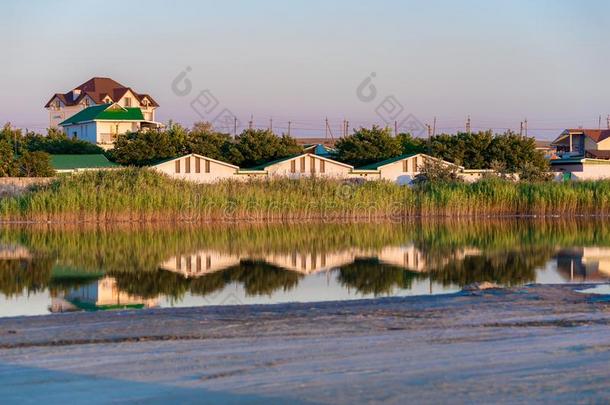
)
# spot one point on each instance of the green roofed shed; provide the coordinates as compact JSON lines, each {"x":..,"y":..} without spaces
{"x":69,"y":163}
{"x":377,"y":165}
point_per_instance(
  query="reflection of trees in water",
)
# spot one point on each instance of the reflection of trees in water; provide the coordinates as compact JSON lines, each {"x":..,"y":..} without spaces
{"x":506,"y":268}
{"x":19,"y":275}
{"x":257,"y":277}
{"x":151,"y":284}
{"x":369,"y":276}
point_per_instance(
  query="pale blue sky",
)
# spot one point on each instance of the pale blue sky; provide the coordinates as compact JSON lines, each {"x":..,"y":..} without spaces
{"x":303,"y":60}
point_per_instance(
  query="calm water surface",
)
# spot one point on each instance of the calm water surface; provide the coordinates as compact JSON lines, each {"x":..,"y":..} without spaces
{"x":58,"y":269}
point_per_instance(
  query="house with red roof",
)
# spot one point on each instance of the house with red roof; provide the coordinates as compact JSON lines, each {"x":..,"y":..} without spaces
{"x":583,"y":154}
{"x":96,"y":91}
{"x":583,"y":142}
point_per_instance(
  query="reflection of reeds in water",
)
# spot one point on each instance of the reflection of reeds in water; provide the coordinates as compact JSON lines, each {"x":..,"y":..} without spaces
{"x":142,"y":195}
{"x":458,"y":252}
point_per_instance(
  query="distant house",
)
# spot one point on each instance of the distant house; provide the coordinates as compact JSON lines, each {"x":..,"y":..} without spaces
{"x":78,"y":163}
{"x":196,"y":168}
{"x":579,"y":142}
{"x":582,"y":154}
{"x":101,"y":124}
{"x":96,"y":91}
{"x":305,"y":165}
{"x":404,"y":169}
{"x":320,"y":150}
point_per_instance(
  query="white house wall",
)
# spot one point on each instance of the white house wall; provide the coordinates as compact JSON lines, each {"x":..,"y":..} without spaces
{"x":86,"y":132}
{"x":187,"y":168}
{"x":308,"y":166}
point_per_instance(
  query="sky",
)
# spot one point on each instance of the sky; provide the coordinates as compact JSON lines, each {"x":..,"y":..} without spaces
{"x":368,"y":62}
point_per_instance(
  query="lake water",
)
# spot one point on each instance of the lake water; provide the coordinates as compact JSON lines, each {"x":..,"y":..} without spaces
{"x":51,"y":269}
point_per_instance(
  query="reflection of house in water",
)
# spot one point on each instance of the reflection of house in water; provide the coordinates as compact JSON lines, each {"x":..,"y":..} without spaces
{"x":204,"y":262}
{"x":584,"y":264}
{"x":101,"y":294}
{"x":200,"y":263}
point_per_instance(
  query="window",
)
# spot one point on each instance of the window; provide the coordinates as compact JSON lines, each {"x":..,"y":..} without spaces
{"x":322,"y":166}
{"x":293,"y":166}
{"x":208,"y":262}
{"x":303,"y":164}
{"x":405,"y":165}
{"x":127,"y":102}
{"x":86,"y":102}
{"x":187,"y":168}
{"x":414,"y":160}
{"x":178,"y":166}
{"x":178,"y":262}
{"x":207,"y":166}
{"x":197,"y":165}
{"x":312,"y":164}
{"x":189,"y":264}
{"x":198,"y":263}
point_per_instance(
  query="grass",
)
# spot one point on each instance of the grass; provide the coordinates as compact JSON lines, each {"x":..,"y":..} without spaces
{"x":141,"y":195}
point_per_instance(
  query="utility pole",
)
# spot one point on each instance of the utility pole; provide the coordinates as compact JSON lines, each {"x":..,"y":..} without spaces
{"x":289,"y":125}
{"x":395,"y":128}
{"x":599,"y":122}
{"x":271,"y":124}
{"x":429,"y":139}
{"x":326,"y":128}
{"x":434,"y":127}
{"x":250,"y":123}
{"x":343,"y":131}
{"x":521,"y":128}
{"x":608,"y":121}
{"x":234,"y":126}
{"x":329,"y":130}
{"x":525,"y":125}
{"x":346,"y":128}
{"x":468,"y":125}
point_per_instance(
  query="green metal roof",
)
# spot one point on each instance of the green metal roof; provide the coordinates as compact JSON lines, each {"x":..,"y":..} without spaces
{"x":72,"y":162}
{"x":375,"y":166}
{"x":103,"y":112}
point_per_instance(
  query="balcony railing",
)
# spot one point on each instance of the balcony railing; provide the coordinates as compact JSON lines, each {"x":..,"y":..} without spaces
{"x":106,"y":138}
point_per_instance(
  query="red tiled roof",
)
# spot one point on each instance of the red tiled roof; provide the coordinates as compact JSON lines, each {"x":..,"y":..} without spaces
{"x":596,"y":135}
{"x":98,"y":88}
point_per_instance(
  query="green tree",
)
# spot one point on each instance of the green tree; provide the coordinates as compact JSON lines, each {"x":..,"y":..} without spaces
{"x":145,"y":147}
{"x":410,"y":144}
{"x":35,"y":164}
{"x":366,"y":146}
{"x":514,"y":151}
{"x":7,"y":159}
{"x":258,"y":146}
{"x":203,"y":140}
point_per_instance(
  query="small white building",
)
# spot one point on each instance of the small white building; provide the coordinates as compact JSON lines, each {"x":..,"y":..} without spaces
{"x":197,"y":168}
{"x":305,"y":165}
{"x":401,"y":169}
{"x":101,"y":124}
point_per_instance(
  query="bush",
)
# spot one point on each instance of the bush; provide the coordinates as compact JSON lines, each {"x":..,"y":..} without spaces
{"x":57,"y":143}
{"x":35,"y":164}
{"x":435,"y":171}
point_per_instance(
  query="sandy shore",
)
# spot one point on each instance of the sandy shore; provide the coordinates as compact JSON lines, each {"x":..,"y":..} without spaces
{"x":544,"y":343}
